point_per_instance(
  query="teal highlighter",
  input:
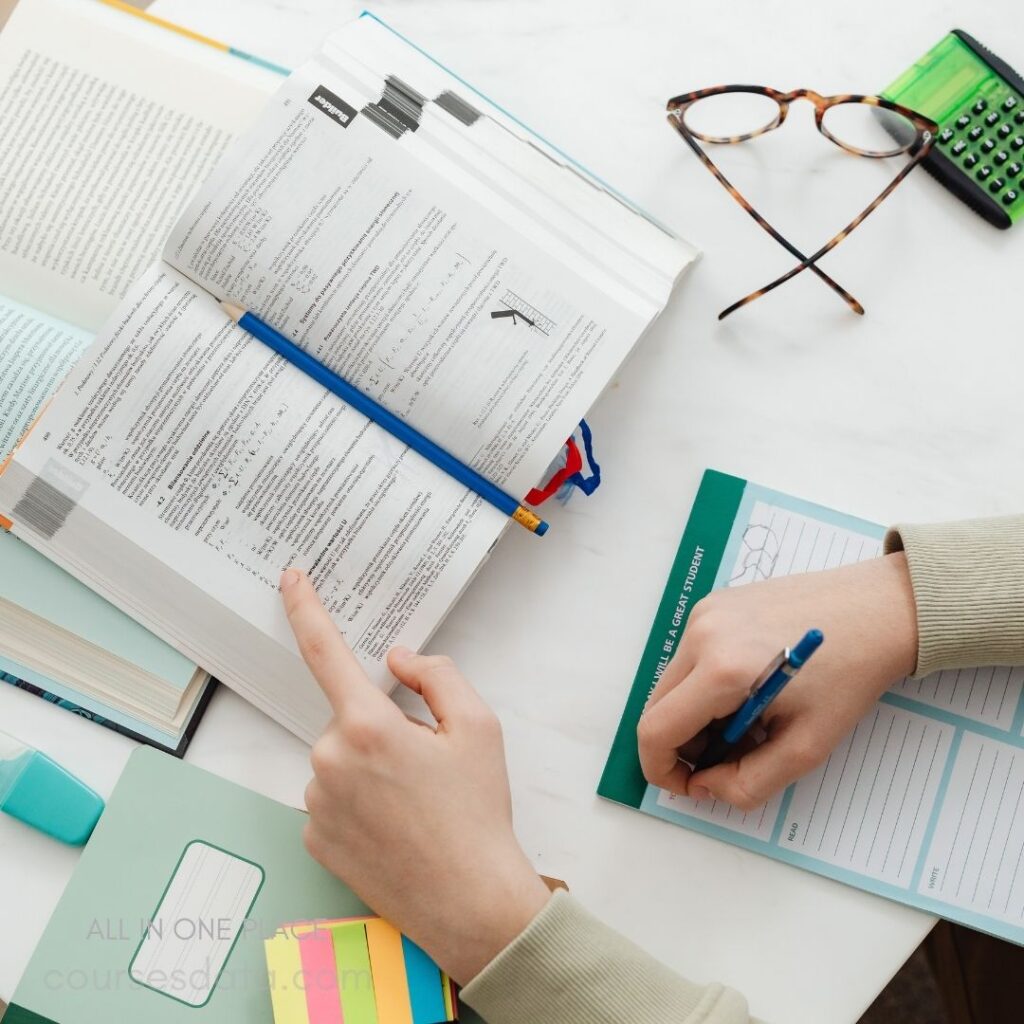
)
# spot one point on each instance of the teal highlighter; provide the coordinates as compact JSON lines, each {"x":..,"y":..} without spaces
{"x":38,"y":791}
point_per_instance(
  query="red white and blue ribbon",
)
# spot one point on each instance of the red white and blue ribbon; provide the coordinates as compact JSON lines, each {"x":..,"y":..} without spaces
{"x":572,"y":469}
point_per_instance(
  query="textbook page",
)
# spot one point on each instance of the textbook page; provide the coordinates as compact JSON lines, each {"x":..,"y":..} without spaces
{"x":504,"y":146}
{"x":923,"y":801}
{"x":435,"y":296}
{"x":108,"y":125}
{"x":37,"y":352}
{"x":184,"y":465}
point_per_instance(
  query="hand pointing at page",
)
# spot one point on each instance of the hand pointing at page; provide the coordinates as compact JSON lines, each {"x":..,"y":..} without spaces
{"x":867,"y":613}
{"x":417,"y":820}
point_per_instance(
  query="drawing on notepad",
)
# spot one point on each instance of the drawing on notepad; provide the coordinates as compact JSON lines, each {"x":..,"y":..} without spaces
{"x":758,"y":556}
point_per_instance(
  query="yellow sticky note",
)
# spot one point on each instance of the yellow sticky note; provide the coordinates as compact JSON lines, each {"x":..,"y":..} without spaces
{"x":387,"y":962}
{"x":284,"y":972}
{"x":449,"y":1005}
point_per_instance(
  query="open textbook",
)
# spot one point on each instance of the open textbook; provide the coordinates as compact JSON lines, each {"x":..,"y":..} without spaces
{"x":923,"y":802}
{"x":385,"y":218}
{"x":109,"y":125}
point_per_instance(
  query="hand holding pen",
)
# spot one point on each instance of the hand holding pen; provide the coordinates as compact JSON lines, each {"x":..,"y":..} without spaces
{"x":867,"y":613}
{"x":768,"y":685}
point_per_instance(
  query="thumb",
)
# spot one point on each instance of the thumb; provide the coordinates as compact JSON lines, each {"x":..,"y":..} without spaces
{"x":435,"y":678}
{"x":753,"y":778}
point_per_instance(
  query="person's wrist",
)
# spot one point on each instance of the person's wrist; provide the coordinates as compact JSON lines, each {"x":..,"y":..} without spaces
{"x":898,"y":624}
{"x":487,"y":916}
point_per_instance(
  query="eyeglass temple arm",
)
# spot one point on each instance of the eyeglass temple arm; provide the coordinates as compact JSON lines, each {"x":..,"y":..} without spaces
{"x":787,"y":245}
{"x":810,"y":261}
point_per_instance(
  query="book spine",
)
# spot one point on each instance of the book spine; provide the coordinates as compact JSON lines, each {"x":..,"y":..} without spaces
{"x":691,"y":578}
{"x":75,"y":709}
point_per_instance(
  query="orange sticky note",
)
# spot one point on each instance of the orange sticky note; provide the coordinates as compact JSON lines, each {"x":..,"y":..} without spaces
{"x":387,"y":962}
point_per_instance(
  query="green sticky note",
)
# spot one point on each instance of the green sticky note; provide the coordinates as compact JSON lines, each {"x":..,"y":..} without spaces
{"x":355,"y":978}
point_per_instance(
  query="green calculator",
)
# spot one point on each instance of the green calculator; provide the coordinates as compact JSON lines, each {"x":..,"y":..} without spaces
{"x":977,"y":100}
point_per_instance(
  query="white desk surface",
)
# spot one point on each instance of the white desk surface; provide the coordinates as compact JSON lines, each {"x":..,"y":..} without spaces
{"x":910,"y":412}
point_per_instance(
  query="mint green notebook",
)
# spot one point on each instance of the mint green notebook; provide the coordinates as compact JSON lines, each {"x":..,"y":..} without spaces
{"x":165,"y":917}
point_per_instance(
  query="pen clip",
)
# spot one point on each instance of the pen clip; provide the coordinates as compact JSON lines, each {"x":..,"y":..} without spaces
{"x":780,"y":661}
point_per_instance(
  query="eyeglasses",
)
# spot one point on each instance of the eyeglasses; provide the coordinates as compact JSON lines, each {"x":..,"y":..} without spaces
{"x":862,"y":125}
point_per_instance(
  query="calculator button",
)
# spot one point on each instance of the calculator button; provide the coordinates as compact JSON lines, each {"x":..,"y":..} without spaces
{"x":987,"y":146}
{"x":983,"y":173}
{"x":1004,"y":130}
{"x":1018,"y":143}
{"x":1018,"y":118}
{"x":1001,"y":157}
{"x":976,"y":133}
{"x":1009,"y":103}
{"x":991,"y":118}
{"x":946,"y":134}
{"x":1009,"y":196}
{"x":996,"y":184}
{"x":980,"y":106}
{"x":963,"y":121}
{"x":1014,"y":169}
{"x":958,"y":147}
{"x":971,"y":160}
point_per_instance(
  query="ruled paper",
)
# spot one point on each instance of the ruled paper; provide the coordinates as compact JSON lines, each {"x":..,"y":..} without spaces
{"x":867,"y":807}
{"x":757,"y":823}
{"x":988,"y":695}
{"x":777,"y":542}
{"x":976,"y":857}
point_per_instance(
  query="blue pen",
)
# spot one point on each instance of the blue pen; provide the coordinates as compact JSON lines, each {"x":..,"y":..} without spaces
{"x":393,"y":424}
{"x":768,"y":685}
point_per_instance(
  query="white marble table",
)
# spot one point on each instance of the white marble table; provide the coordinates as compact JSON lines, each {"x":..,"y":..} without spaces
{"x":909,"y":412}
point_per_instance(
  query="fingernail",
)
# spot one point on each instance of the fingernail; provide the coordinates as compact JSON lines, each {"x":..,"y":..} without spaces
{"x":401,"y":653}
{"x":700,"y":792}
{"x":289,"y":578}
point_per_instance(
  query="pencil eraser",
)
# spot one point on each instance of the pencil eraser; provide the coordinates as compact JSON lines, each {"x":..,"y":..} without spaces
{"x":542,"y":528}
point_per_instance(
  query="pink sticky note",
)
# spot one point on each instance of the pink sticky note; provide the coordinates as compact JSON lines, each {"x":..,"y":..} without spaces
{"x":323,"y":1001}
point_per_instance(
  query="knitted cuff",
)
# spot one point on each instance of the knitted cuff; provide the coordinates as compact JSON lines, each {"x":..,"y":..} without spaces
{"x":968,"y":580}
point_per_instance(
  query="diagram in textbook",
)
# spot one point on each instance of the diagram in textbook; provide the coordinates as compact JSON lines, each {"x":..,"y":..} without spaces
{"x":516,"y":308}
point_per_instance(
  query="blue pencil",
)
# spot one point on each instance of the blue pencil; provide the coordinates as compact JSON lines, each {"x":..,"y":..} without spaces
{"x":394,"y":425}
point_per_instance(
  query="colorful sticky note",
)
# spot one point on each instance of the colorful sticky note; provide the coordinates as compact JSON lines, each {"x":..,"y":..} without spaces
{"x":355,"y":978}
{"x":320,"y":976}
{"x":354,"y":971}
{"x":284,"y":970}
{"x":426,"y":985}
{"x":387,"y":961}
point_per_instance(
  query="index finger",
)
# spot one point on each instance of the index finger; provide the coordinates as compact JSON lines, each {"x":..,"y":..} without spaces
{"x":322,"y":646}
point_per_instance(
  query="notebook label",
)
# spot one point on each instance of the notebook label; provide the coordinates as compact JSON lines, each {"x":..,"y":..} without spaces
{"x":196,"y":924}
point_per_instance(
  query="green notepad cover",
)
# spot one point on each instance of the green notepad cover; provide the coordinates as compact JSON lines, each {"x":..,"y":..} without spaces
{"x":691,"y":577}
{"x":79,"y":971}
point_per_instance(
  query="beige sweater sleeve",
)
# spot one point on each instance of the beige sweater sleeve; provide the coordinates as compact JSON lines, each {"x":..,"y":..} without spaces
{"x":569,"y":968}
{"x":968,"y":581}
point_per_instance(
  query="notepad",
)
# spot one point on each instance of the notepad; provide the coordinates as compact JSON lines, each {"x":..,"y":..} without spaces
{"x":357,"y":971}
{"x":923,"y":802}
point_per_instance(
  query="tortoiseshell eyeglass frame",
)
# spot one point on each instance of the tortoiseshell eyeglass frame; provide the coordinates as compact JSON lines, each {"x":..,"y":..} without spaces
{"x":917,"y":148}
